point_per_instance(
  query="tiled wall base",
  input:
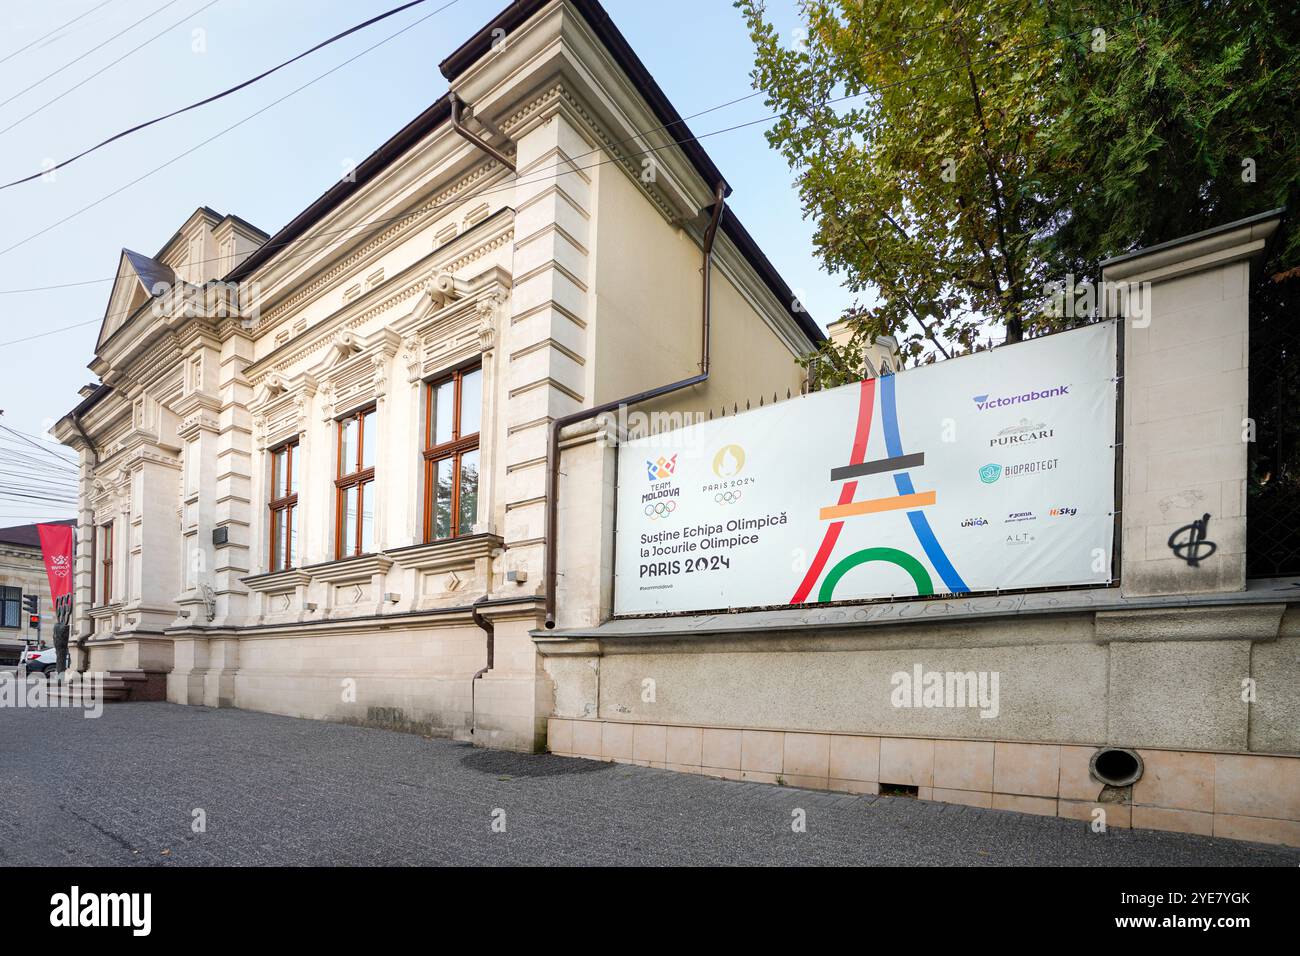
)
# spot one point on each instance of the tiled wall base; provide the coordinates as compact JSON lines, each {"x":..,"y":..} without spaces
{"x":1237,"y":796}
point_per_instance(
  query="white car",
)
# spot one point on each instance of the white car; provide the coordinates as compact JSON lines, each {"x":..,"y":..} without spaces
{"x":40,"y":662}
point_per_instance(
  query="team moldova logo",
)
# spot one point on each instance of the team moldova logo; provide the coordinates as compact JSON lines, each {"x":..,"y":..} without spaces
{"x":661,"y":468}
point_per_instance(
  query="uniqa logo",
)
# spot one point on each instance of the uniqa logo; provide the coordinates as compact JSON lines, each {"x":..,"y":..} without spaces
{"x":729,"y":461}
{"x":660,"y":468}
{"x":990,"y":473}
{"x":974,"y":523}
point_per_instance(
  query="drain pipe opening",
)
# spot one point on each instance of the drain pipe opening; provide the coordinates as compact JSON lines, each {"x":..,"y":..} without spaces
{"x":490,"y":631}
{"x":1116,"y":766}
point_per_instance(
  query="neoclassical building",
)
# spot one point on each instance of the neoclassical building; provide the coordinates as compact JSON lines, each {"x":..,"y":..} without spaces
{"x":314,"y":471}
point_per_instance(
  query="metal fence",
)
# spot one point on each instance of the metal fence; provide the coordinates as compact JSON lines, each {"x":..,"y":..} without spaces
{"x":1273,"y":486}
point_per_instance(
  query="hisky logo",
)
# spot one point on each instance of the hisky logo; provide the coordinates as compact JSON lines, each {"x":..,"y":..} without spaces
{"x":130,"y":910}
{"x":1063,"y":512}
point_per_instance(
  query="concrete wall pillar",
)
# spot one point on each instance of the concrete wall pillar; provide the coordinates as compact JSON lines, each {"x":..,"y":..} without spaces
{"x":1185,"y":409}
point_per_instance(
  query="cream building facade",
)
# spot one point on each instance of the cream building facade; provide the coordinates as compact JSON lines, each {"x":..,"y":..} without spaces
{"x":315,"y":481}
{"x":314,"y":470}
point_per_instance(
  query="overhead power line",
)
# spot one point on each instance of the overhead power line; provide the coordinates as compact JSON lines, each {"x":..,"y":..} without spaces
{"x":178,"y":157}
{"x":210,"y":99}
{"x":97,"y":46}
{"x":104,"y":69}
{"x":27,"y":46}
{"x":223,"y":132}
{"x":564,"y":165}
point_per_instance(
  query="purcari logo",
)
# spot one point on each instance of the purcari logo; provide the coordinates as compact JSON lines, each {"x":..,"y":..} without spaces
{"x":985,"y":402}
{"x":134,"y":910}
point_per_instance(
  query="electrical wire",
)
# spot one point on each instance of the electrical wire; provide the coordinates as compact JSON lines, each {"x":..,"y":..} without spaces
{"x":78,"y":59}
{"x":9,"y":56}
{"x":203,"y":102}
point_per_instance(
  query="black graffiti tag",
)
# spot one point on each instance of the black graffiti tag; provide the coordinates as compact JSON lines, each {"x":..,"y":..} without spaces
{"x":1189,"y":542}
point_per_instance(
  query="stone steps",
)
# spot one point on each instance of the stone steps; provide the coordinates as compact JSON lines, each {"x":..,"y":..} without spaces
{"x":120,"y":686}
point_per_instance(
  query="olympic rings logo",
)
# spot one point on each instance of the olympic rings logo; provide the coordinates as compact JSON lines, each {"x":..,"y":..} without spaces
{"x":660,"y":509}
{"x":727,"y":497}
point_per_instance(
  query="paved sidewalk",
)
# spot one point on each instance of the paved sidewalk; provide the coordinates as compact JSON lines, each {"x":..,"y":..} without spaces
{"x":123,"y":790}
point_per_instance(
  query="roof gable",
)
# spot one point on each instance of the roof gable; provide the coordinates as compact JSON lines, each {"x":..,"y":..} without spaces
{"x":136,"y":282}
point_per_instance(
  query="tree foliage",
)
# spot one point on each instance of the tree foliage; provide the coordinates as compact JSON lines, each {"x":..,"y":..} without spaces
{"x":959,"y":157}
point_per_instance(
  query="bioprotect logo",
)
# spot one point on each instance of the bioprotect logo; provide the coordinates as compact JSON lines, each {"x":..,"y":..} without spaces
{"x":990,"y":473}
{"x":985,"y":402}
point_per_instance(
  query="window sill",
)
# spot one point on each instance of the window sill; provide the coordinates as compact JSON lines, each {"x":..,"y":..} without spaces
{"x":276,"y":580}
{"x":346,"y":570}
{"x":447,"y":554}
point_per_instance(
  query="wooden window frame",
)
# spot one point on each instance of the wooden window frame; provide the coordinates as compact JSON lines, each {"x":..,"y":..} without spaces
{"x":286,"y":506}
{"x":105,"y":547}
{"x":357,"y":479}
{"x":454,"y":449}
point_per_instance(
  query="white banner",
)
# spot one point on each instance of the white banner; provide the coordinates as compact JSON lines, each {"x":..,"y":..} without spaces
{"x":987,"y":472}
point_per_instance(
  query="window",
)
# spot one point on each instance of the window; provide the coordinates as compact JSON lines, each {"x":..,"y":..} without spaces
{"x":453,"y":412}
{"x":11,"y":600}
{"x":104,"y":548}
{"x":284,"y":507}
{"x":355,"y":511}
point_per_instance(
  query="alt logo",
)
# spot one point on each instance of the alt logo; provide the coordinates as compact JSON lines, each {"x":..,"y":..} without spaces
{"x":990,"y":473}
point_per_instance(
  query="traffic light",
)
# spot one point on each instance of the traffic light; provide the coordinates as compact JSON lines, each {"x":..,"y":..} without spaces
{"x":32,"y":605}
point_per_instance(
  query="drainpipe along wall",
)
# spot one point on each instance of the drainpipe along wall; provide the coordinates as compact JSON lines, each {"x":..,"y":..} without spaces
{"x":559,"y":424}
{"x":490,"y":631}
{"x":75,"y":419}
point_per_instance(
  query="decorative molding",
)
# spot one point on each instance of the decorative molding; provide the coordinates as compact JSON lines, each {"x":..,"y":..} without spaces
{"x":343,"y":268}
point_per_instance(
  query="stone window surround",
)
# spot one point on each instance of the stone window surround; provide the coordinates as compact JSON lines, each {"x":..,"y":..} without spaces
{"x":447,"y":308}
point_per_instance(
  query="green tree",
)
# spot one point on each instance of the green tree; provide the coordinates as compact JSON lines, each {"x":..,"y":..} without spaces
{"x":957,"y":159}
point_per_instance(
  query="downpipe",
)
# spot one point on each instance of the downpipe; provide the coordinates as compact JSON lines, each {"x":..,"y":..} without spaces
{"x":586,"y":414}
{"x":456,"y":106}
{"x":490,"y":631}
{"x":84,"y":661}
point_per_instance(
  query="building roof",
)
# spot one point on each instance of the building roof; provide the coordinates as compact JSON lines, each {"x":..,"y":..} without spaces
{"x":440,"y":112}
{"x":26,"y":534}
{"x":150,"y":271}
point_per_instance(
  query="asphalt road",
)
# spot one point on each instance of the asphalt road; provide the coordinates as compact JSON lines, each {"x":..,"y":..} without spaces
{"x":128,"y":789}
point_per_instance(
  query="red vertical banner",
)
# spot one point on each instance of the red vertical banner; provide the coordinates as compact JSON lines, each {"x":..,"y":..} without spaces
{"x":56,"y":548}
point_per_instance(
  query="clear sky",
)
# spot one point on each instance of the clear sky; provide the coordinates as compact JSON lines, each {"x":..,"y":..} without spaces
{"x":270,"y":167}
